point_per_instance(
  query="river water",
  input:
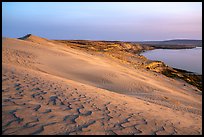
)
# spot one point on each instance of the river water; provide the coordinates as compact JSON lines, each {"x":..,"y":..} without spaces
{"x":186,"y":59}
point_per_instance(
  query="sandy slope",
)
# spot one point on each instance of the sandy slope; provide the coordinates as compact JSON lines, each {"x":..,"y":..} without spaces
{"x":66,"y":91}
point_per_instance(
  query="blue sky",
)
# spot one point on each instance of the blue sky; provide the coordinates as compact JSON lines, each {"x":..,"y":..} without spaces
{"x":128,"y":21}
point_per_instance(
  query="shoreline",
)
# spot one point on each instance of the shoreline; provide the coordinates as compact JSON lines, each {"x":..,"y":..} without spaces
{"x":192,"y":78}
{"x":173,"y":46}
{"x":180,"y":69}
{"x":186,"y":71}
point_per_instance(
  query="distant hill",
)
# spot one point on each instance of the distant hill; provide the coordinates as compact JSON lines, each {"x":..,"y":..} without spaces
{"x":176,"y":43}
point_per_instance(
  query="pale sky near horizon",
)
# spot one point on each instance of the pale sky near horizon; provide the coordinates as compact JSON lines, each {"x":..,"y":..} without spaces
{"x":128,"y":21}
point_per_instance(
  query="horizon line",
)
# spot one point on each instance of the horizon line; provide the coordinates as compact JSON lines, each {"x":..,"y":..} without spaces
{"x":111,"y":40}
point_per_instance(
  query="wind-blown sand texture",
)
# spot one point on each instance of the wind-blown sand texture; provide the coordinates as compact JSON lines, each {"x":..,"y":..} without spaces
{"x":50,"y":88}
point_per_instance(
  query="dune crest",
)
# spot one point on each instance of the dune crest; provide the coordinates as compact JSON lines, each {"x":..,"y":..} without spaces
{"x":36,"y":39}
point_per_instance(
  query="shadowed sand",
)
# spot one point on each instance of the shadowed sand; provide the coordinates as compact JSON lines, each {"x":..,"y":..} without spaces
{"x":50,"y":88}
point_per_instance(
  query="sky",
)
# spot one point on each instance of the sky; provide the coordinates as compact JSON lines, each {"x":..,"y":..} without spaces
{"x":124,"y":21}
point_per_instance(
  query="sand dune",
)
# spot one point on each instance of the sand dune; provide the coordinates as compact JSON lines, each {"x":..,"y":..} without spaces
{"x":68,"y":91}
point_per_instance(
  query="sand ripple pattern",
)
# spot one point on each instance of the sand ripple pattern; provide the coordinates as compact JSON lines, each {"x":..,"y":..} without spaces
{"x":33,"y":105}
